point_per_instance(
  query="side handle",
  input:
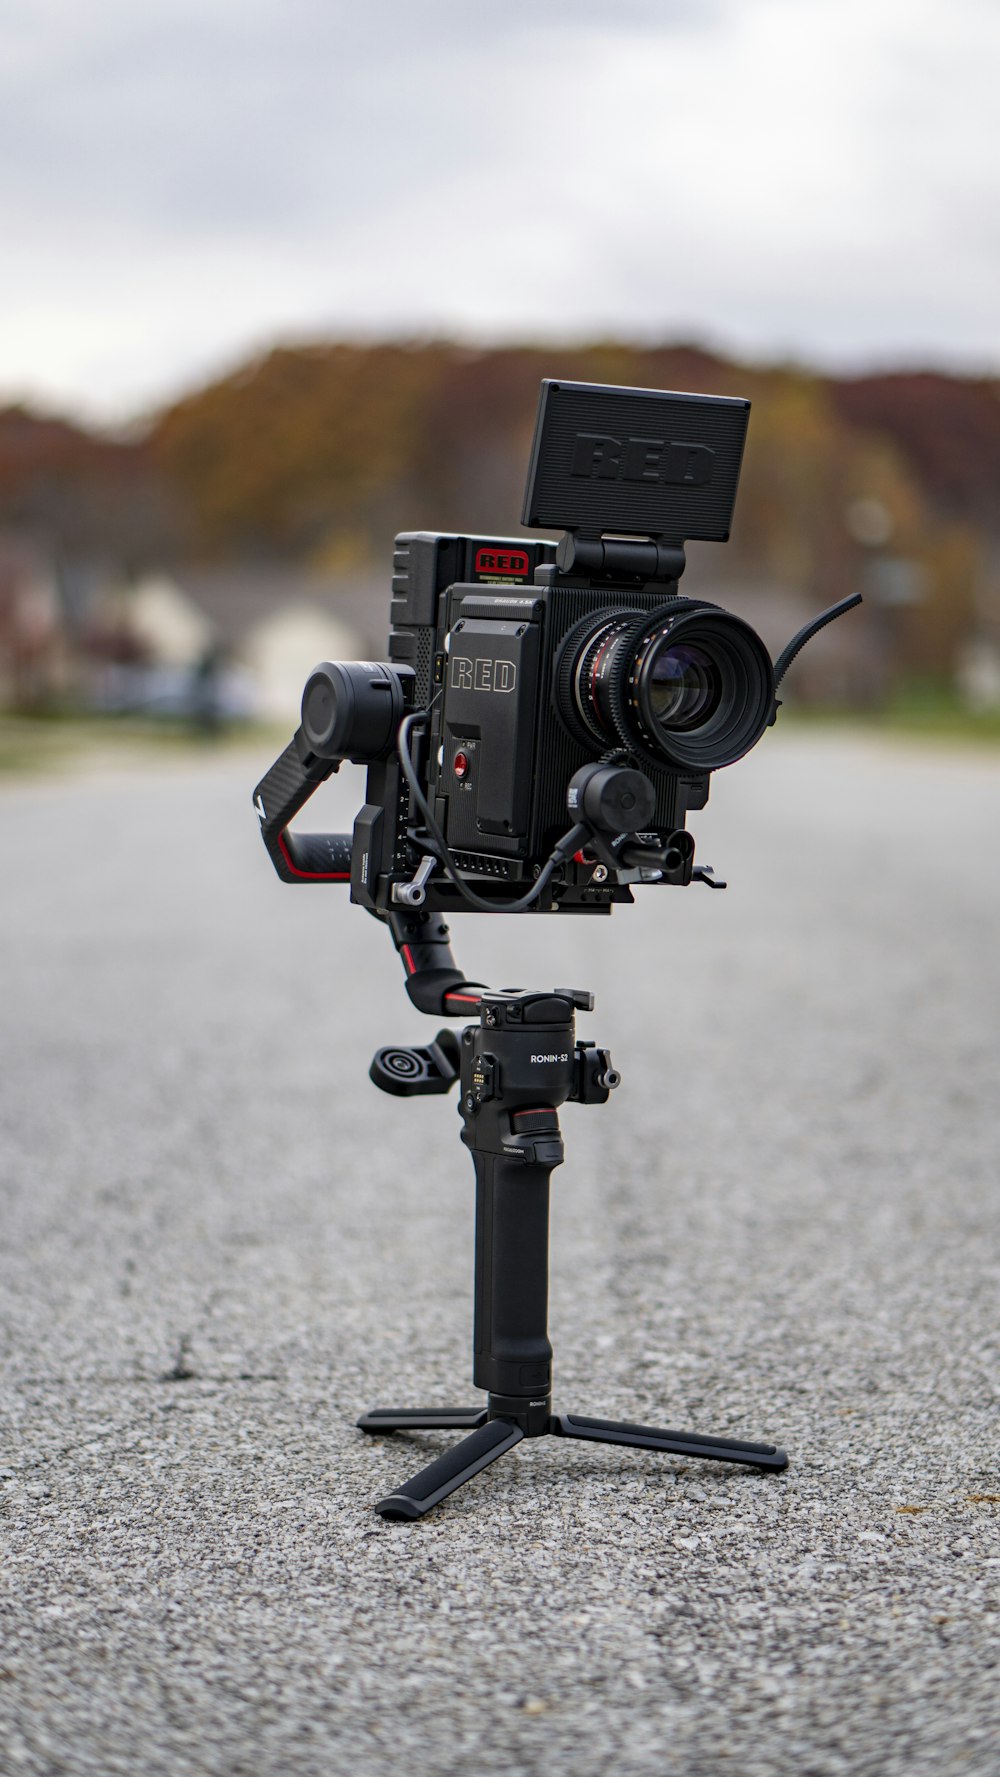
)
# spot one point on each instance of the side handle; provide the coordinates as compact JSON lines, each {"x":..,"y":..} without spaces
{"x":282,"y":791}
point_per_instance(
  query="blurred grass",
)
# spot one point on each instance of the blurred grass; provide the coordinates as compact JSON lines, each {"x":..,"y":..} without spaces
{"x":30,"y":744}
{"x":919,"y":709}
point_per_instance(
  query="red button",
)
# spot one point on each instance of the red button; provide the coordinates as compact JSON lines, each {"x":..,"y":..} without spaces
{"x":461,"y":765}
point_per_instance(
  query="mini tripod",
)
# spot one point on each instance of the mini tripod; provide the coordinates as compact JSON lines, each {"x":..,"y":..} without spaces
{"x":515,"y":1068}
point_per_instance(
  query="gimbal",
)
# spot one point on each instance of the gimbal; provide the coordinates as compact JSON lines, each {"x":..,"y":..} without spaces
{"x":514,"y":1067}
{"x":527,"y":683}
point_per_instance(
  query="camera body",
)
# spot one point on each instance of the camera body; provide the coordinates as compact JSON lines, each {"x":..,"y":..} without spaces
{"x":481,"y":622}
{"x":549,"y":713}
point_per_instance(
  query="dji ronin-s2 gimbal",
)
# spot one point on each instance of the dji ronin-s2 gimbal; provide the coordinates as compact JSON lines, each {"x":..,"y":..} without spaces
{"x":548,"y":717}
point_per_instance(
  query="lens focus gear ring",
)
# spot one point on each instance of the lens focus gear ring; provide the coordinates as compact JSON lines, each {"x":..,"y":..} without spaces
{"x":624,"y":714}
{"x":573,"y":645}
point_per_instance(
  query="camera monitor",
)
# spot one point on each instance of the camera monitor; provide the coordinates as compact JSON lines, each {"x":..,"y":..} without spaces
{"x":639,"y":462}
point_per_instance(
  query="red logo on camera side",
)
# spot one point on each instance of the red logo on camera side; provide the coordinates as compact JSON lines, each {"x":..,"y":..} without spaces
{"x":511,"y":563}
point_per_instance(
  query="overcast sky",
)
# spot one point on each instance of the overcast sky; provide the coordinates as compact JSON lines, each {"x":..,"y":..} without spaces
{"x":184,"y":181}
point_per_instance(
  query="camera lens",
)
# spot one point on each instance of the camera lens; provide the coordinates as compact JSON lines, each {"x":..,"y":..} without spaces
{"x":686,"y":688}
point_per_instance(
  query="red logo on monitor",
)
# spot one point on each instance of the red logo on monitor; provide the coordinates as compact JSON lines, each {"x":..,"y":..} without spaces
{"x":511,"y":563}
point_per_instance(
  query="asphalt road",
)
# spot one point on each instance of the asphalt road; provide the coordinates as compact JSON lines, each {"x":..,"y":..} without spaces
{"x":220,"y":1244}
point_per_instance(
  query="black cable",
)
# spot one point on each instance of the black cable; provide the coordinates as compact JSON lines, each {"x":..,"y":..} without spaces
{"x":806,"y":634}
{"x":565,"y":848}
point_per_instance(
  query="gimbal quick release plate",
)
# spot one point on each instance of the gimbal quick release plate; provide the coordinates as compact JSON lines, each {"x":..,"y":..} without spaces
{"x":638,"y":462}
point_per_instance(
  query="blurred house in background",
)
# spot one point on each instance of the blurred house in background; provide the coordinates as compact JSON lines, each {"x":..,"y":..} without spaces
{"x":169,"y":643}
{"x":276,"y":622}
{"x":236,"y":641}
{"x":34,"y":644}
{"x":978,"y":666}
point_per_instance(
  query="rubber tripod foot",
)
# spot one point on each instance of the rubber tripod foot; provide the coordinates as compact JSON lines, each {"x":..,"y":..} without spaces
{"x":677,"y":1443}
{"x":383,"y":1419}
{"x":451,"y":1470}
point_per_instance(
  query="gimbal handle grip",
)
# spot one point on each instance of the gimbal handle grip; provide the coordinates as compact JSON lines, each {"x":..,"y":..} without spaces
{"x":513,"y":1355}
{"x":282,"y":791}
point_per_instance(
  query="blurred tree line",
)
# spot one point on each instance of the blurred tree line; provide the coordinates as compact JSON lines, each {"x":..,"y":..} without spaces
{"x":319,"y":453}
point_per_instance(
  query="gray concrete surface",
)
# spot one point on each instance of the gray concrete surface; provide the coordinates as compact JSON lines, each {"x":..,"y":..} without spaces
{"x":220,"y":1244}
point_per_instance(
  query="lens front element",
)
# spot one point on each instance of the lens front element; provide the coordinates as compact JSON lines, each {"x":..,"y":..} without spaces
{"x":699,"y":688}
{"x":685,"y":685}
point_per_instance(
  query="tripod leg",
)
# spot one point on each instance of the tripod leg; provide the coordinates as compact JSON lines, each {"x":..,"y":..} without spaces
{"x":442,"y":1477}
{"x":422,"y":1419}
{"x":679,"y":1443}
